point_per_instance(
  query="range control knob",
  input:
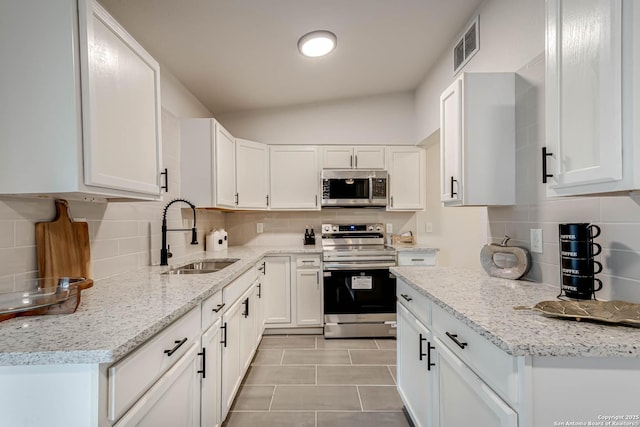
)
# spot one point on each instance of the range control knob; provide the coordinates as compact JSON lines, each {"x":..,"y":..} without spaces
{"x":326,"y":228}
{"x":370,"y":228}
{"x":335,"y":228}
{"x":378,"y":228}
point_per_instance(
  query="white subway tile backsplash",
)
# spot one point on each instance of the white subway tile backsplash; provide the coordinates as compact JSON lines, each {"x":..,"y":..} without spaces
{"x":7,"y":234}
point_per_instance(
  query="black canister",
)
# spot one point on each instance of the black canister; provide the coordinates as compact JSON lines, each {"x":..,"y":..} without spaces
{"x":577,"y":264}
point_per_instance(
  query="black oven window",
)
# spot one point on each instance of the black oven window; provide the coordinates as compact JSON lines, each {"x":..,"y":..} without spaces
{"x":343,"y":296}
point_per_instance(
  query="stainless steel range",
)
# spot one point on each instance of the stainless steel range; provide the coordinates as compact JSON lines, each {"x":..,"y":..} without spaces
{"x":359,"y":291}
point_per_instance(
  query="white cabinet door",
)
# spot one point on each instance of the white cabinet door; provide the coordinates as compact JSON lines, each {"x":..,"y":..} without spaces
{"x":368,"y":157}
{"x":174,"y":400}
{"x":415,"y":376}
{"x":231,"y":367}
{"x":337,"y":157}
{"x":308,"y":298}
{"x":477,"y":140}
{"x":258,"y":308}
{"x":584,"y":91}
{"x":294,"y":177}
{"x":463,"y":396}
{"x":225,"y":168}
{"x":277,"y":290}
{"x":248,"y":328}
{"x":352,"y":157}
{"x":407,"y":178}
{"x":252,"y":174}
{"x":210,"y":381}
{"x":120,"y":107}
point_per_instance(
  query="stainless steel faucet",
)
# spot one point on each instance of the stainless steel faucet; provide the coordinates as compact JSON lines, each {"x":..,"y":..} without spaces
{"x":164,"y":252}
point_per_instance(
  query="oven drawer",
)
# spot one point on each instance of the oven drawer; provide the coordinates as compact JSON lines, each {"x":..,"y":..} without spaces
{"x":418,"y":304}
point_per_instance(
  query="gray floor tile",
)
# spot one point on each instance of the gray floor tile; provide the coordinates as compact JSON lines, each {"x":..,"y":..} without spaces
{"x":394,"y":370}
{"x":378,"y":375}
{"x":316,"y":398}
{"x":268,"y":357}
{"x":270,"y":419}
{"x":279,"y":341}
{"x":365,"y":343}
{"x":380,"y":398}
{"x":253,"y":398}
{"x":316,"y":357}
{"x":267,"y":375}
{"x":386,"y":343}
{"x":373,"y":357}
{"x":362,"y":419}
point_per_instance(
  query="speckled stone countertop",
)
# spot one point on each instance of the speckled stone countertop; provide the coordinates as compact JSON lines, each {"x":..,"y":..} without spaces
{"x":118,"y":314}
{"x":415,"y":248}
{"x":485,"y":304}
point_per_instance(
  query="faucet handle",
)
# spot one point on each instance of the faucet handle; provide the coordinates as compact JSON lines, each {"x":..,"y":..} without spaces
{"x":169,"y":254}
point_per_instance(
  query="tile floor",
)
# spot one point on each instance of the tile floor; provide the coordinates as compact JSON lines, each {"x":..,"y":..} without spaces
{"x":307,"y":381}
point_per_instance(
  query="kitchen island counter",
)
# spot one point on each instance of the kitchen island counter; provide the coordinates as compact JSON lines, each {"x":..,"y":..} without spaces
{"x":120,"y":313}
{"x":485,"y":304}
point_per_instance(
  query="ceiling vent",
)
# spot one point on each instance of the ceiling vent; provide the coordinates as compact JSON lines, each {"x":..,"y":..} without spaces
{"x":467,"y":46}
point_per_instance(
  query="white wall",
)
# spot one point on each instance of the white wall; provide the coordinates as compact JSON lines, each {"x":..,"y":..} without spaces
{"x":384,"y":119}
{"x":177,"y":100}
{"x":511,"y":34}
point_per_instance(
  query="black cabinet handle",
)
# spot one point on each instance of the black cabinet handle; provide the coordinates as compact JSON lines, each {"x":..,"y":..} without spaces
{"x":246,"y":307}
{"x":407,"y":297}
{"x":267,"y":200}
{"x":259,"y":290}
{"x":165,"y":187}
{"x":421,"y":355}
{"x":429,"y":364}
{"x":453,"y":193}
{"x":174,"y":349}
{"x":218,"y":308}
{"x":351,"y":161}
{"x":237,"y":199}
{"x":203,"y":371}
{"x":545,"y":175}
{"x":454,"y":338}
{"x":224,"y":327}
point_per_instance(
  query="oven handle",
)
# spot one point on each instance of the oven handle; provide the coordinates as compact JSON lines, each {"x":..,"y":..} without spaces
{"x":357,"y":266}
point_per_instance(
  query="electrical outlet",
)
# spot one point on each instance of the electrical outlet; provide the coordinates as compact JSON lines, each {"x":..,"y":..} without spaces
{"x":428,"y":227}
{"x":389,"y":228}
{"x":259,"y":227}
{"x":536,"y":240}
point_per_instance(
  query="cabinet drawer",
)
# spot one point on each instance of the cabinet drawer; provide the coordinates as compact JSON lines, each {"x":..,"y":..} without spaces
{"x":414,"y":301}
{"x":232,"y":291}
{"x":494,"y":366}
{"x":212,"y":309}
{"x":416,"y":258}
{"x":308,"y":262}
{"x":132,"y":376}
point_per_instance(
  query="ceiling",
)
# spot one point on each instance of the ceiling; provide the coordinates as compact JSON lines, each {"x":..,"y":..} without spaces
{"x":237,"y":55}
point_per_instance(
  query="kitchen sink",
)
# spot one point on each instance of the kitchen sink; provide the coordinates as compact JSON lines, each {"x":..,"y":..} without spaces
{"x":202,"y":267}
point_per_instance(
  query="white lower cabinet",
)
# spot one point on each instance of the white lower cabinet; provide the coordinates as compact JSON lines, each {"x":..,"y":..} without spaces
{"x":277,"y":290}
{"x":230,"y":355}
{"x":463,"y":396}
{"x":308,"y":291}
{"x":415,"y":375}
{"x":210,"y":381}
{"x":173,"y":399}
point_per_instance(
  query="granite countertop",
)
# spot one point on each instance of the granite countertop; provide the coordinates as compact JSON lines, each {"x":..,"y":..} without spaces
{"x":118,"y":314}
{"x":485,"y":304}
{"x":415,"y":248}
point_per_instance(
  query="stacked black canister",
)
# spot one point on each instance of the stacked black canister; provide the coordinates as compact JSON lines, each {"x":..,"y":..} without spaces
{"x":577,"y":264}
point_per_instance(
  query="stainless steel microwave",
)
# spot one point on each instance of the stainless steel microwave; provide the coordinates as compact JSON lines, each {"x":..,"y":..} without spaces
{"x":350,"y":188}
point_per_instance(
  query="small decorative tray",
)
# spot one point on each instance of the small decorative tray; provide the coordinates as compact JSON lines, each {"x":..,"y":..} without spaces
{"x":47,"y":295}
{"x":616,"y":312}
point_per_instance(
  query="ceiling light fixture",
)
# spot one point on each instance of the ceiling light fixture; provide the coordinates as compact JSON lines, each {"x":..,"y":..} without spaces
{"x":317,"y":43}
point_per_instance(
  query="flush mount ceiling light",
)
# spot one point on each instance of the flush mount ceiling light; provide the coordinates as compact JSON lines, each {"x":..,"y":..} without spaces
{"x":317,"y":43}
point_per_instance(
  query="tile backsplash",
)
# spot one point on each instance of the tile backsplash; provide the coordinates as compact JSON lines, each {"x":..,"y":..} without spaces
{"x":618,"y":215}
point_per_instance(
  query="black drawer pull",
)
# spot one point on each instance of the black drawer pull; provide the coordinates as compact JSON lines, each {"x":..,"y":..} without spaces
{"x":203,"y":353}
{"x":421,"y":355}
{"x":429,"y":348}
{"x":224,"y":327}
{"x":453,"y":193}
{"x":417,"y":259}
{"x":259,"y":290}
{"x":407,"y":297}
{"x":246,"y":307}
{"x":545,"y":175}
{"x":454,"y":338}
{"x":218,"y":308}
{"x":174,"y":349}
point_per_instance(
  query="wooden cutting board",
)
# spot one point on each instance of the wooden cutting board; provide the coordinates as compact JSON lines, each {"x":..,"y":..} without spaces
{"x":63,"y":245}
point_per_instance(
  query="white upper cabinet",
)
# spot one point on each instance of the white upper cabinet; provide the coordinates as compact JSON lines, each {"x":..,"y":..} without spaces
{"x":294,"y":177}
{"x":407,"y":178}
{"x":252,"y":174}
{"x":477,"y":140}
{"x":207,"y":163}
{"x":591,"y":101}
{"x":84,"y":115}
{"x":357,"y":157}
